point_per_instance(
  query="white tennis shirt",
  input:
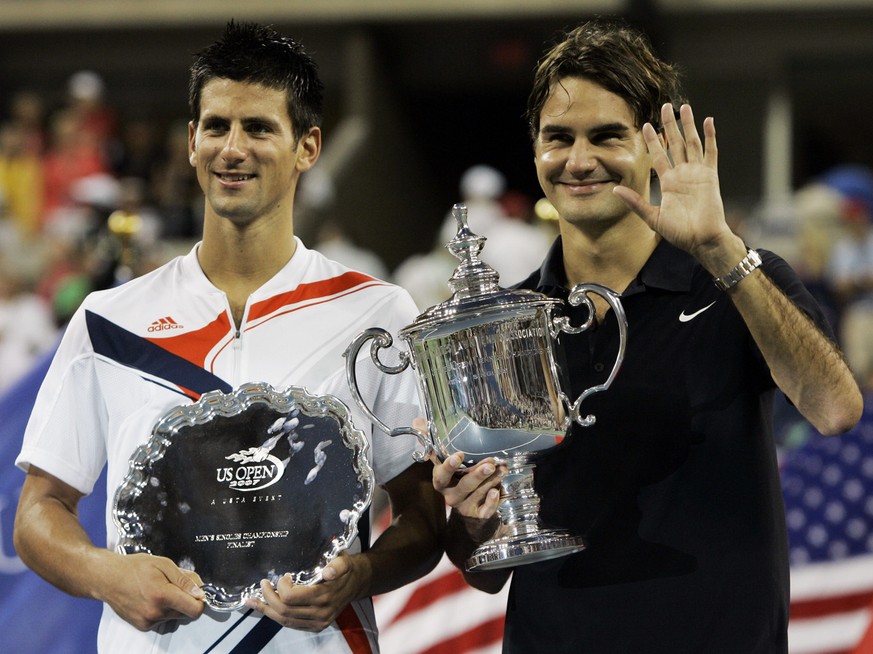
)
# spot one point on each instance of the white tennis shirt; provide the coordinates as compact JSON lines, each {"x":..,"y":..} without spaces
{"x":132,"y":353}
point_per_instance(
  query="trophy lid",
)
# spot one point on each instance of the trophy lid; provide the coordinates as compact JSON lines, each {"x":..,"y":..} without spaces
{"x":474,"y":284}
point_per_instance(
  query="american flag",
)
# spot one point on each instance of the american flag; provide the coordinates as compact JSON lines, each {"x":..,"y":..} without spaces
{"x":827,"y":484}
{"x":440,"y":614}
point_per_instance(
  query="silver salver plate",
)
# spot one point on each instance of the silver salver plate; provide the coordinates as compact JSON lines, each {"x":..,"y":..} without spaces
{"x":245,"y":486}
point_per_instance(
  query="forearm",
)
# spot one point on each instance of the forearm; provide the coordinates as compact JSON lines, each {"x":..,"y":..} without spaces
{"x":409,"y":549}
{"x":413,"y":544}
{"x":463,"y":536}
{"x":142,"y":589}
{"x":806,"y":365}
{"x":51,"y":542}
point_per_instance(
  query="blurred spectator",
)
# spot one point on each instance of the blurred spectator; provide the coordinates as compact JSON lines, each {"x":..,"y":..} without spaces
{"x":27,"y":327}
{"x":72,"y":155}
{"x":514,"y":247}
{"x":175,"y":189}
{"x":850,"y":269}
{"x":87,"y":102}
{"x":818,"y":208}
{"x":333,"y":243}
{"x":69,"y":241}
{"x":21,"y":180}
{"x":65,"y":280}
{"x":139,"y":150}
{"x":122,"y":246}
{"x":426,"y":275}
{"x":27,"y":113}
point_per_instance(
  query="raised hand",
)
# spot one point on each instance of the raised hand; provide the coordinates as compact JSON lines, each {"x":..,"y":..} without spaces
{"x":691,"y":212}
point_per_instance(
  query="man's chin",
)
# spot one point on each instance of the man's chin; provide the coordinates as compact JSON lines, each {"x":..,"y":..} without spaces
{"x":233,"y":211}
{"x":238,"y":218}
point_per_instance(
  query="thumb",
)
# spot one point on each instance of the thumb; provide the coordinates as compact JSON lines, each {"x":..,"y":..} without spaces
{"x":420,"y":424}
{"x":190,"y":582}
{"x":337,"y":568}
{"x":636,"y":203}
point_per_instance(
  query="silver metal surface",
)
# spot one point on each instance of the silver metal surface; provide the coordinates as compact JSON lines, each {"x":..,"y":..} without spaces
{"x":246,"y":486}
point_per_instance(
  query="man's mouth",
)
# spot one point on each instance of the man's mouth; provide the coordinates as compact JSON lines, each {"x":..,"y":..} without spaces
{"x":587,"y":185}
{"x":233,"y":177}
{"x":585,"y":182}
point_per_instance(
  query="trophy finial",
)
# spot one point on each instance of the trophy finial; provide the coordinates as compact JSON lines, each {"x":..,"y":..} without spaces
{"x":459,"y":213}
{"x":472,"y":276}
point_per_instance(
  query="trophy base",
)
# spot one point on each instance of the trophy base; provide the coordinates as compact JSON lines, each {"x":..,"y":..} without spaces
{"x":515,"y":550}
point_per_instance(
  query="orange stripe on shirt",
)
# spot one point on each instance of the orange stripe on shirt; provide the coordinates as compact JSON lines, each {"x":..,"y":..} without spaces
{"x":310,"y":291}
{"x":194,"y":346}
{"x":279,"y":313}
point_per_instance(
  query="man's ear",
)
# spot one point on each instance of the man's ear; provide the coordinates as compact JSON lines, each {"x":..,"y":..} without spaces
{"x":192,"y":139}
{"x":308,"y":149}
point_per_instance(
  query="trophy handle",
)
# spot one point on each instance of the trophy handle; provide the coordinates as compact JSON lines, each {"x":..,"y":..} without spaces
{"x":381,"y":339}
{"x":579,"y":295}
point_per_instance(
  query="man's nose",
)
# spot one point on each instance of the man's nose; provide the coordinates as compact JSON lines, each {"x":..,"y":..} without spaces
{"x":234,"y":145}
{"x":581,"y":156}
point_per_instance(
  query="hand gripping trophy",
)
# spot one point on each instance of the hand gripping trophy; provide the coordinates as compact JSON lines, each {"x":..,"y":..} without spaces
{"x":486,"y":368}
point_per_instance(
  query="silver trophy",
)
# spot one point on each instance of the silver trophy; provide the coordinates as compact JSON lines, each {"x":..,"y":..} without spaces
{"x":485,"y":364}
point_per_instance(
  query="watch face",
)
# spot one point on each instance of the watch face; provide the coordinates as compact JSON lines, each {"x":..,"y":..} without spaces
{"x":246,"y":486}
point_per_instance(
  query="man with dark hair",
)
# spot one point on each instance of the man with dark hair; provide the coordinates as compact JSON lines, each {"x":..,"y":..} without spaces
{"x":249,"y":303}
{"x":675,"y":488}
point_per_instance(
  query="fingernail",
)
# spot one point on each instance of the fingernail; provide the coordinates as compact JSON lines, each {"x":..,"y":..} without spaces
{"x":198,"y":592}
{"x":488,"y":469}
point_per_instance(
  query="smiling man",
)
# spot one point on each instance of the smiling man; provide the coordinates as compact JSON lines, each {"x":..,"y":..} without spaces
{"x":675,"y":488}
{"x":250,"y":303}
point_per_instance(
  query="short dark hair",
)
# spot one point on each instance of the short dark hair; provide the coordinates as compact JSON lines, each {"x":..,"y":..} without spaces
{"x":256,"y":54}
{"x":618,"y":57}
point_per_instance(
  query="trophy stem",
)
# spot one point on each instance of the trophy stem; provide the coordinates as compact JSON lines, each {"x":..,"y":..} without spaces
{"x":522,"y":537}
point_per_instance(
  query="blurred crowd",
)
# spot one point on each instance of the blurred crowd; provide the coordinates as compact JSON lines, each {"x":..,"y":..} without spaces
{"x":90,"y":198}
{"x":825,"y":231}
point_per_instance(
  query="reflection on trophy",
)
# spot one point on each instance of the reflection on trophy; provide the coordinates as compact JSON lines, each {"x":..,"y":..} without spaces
{"x":485,"y":364}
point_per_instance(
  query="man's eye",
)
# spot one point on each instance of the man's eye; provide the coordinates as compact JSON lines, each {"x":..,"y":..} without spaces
{"x":258,"y":128}
{"x":559,"y":138}
{"x":214,"y":127}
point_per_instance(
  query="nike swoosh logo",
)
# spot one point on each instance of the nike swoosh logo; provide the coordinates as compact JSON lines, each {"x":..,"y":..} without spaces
{"x":685,"y":317}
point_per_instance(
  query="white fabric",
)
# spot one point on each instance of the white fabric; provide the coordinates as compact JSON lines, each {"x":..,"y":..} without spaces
{"x":92,"y":409}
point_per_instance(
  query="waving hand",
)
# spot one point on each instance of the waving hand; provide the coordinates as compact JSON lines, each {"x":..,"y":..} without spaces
{"x":691,"y":214}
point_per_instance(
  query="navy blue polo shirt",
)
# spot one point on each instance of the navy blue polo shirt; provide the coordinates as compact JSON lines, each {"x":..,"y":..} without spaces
{"x":675,"y":487}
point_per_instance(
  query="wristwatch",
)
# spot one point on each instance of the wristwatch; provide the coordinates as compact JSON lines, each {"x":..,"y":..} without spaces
{"x":751,"y":261}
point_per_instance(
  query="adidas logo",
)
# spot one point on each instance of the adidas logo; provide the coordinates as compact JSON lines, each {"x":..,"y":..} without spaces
{"x":164,"y":324}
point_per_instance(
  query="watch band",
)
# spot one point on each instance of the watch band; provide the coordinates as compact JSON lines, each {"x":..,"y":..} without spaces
{"x":751,"y":261}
